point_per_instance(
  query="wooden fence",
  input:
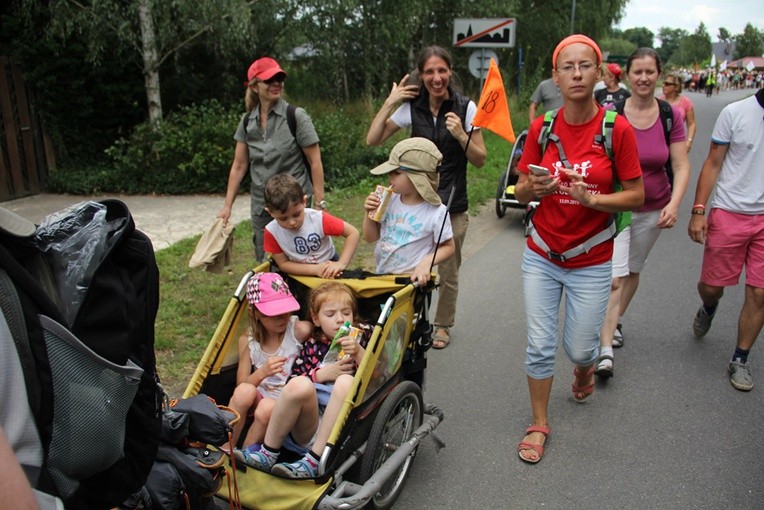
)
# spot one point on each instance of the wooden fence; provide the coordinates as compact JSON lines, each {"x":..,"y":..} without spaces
{"x":26,"y":153}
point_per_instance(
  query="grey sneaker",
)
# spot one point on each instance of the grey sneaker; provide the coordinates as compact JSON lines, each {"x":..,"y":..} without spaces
{"x":702,"y":322}
{"x":618,"y":337}
{"x":740,"y":376}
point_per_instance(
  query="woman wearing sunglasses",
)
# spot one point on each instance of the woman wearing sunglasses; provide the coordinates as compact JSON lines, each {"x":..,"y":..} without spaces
{"x":672,"y":93}
{"x":267,"y":145}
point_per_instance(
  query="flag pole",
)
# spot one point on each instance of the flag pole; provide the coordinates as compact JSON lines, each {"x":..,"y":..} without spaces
{"x":493,"y":94}
{"x":450,"y":199}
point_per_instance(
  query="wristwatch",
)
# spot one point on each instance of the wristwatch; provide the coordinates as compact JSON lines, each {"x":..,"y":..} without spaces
{"x":322,"y":204}
{"x":698,"y":210}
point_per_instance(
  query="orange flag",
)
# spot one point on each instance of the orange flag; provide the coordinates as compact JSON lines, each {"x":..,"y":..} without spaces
{"x":493,"y":111}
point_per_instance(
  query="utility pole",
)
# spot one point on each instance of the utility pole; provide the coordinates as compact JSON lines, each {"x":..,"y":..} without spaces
{"x":573,"y":18}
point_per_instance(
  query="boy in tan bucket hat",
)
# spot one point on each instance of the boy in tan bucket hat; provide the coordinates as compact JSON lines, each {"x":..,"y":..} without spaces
{"x":410,"y":230}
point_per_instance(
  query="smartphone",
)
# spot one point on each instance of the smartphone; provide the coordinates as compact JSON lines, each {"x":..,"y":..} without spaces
{"x":538,"y":170}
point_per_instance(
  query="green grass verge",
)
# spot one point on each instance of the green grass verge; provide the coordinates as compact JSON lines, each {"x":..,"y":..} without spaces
{"x":193,"y":301}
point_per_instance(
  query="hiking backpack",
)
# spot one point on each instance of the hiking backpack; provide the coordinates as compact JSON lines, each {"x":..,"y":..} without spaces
{"x":187,"y":473}
{"x":86,"y":293}
{"x":666,"y":114}
{"x":605,"y":138}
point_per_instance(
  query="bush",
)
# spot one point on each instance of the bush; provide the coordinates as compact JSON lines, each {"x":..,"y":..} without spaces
{"x":190,"y":153}
{"x":193,"y":149}
{"x":344,"y":153}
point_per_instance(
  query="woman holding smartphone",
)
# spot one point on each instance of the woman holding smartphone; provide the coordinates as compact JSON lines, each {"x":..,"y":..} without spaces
{"x":570,"y":249}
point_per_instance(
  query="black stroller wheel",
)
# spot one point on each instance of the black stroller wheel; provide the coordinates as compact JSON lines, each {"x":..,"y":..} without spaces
{"x":396,"y":421}
{"x":501,"y":209}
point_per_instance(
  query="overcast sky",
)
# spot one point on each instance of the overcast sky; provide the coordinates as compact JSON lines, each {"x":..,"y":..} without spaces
{"x":730,"y":14}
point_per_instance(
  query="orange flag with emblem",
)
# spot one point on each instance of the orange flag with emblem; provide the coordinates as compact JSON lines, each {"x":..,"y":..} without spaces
{"x":493,"y":110}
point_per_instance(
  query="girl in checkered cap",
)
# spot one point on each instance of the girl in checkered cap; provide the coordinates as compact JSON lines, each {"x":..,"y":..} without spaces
{"x":266,"y":352}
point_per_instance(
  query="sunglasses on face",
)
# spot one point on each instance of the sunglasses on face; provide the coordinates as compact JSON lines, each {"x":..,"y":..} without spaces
{"x":275,"y":79}
{"x":668,"y":83}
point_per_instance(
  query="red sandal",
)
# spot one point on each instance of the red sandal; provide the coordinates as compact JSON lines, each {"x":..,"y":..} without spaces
{"x":538,"y":448}
{"x":581,"y":393}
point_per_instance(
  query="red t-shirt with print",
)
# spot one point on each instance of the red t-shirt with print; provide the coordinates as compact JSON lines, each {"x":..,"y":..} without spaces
{"x":561,"y":221}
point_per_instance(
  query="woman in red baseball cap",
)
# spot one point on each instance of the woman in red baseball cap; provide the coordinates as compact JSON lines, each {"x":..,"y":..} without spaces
{"x":266,"y":144}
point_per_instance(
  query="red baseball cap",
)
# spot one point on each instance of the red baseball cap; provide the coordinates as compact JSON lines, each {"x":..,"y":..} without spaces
{"x":615,"y":70}
{"x":264,"y":68}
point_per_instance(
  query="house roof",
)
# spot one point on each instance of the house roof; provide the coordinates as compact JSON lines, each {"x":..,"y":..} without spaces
{"x":723,"y":50}
{"x":758,"y":62}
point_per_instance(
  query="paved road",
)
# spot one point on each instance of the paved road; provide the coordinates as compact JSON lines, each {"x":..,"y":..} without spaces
{"x":667,"y":432}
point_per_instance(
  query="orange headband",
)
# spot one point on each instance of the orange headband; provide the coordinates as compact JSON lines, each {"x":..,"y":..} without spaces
{"x":576,"y":38}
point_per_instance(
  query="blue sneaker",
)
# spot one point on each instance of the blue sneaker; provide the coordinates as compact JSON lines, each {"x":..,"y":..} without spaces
{"x":258,"y":459}
{"x":303,"y":468}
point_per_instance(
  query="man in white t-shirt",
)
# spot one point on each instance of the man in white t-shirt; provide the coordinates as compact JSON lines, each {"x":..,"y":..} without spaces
{"x":734,"y":232}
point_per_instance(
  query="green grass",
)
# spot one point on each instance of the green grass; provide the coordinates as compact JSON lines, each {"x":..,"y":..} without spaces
{"x":193,"y":301}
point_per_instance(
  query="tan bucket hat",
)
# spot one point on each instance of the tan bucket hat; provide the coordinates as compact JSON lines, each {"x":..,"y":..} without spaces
{"x":419,"y":158}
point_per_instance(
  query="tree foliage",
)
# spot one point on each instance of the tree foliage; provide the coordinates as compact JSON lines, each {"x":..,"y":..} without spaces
{"x":86,"y":58}
{"x":641,"y":37}
{"x":671,"y":39}
{"x":749,"y":43}
{"x":153,"y":30}
{"x":617,"y":47}
{"x":694,"y":48}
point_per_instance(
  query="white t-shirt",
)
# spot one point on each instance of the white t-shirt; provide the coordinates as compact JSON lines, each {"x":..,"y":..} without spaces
{"x":740,"y":185}
{"x":311,"y":243}
{"x":407,"y":233}
{"x":272,"y":385}
{"x":402,"y":116}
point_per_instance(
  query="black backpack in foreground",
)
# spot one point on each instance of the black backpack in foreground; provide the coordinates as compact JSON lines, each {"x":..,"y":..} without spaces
{"x":88,"y":289}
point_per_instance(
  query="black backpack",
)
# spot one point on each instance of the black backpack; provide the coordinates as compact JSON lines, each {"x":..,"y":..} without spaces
{"x":666,"y":114}
{"x":187,"y":473}
{"x":89,"y":369}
